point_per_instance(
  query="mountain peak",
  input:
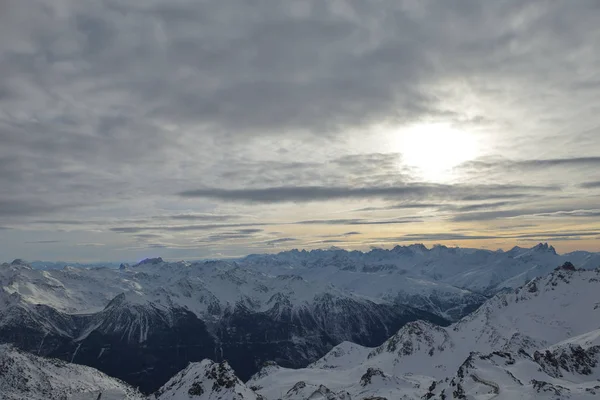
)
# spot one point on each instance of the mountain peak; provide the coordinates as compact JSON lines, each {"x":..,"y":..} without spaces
{"x":206,"y":380}
{"x":150,"y":261}
{"x":567,"y":266}
{"x":544,"y":247}
{"x":117,"y":301}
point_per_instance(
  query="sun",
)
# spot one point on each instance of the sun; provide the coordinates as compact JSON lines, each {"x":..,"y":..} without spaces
{"x":433,"y":150}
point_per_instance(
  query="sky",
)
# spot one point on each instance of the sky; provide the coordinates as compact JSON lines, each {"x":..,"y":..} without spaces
{"x":200,"y":129}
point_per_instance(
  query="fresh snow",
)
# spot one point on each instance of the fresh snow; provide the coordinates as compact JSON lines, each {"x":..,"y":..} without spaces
{"x":206,"y":380}
{"x":537,"y":335}
{"x":538,"y":341}
{"x":26,"y":376}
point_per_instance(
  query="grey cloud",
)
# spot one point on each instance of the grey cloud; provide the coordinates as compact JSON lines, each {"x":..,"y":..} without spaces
{"x":222,"y":237}
{"x":441,"y":237}
{"x":532,"y":212}
{"x":537,"y":236}
{"x":157,"y":246}
{"x":326,"y":241}
{"x":480,"y":165}
{"x":181,"y":228}
{"x":147,"y":235}
{"x":556,"y":234}
{"x":443,"y":206}
{"x":407,"y":220}
{"x":201,"y":217}
{"x":571,"y":214}
{"x":320,"y":193}
{"x":44,"y":242}
{"x":483,"y":206}
{"x":23,"y":207}
{"x":249,"y":231}
{"x":496,"y":196}
{"x":407,"y":206}
{"x":280,"y":240}
{"x":591,"y":185}
{"x":63,"y":222}
{"x":110,"y":107}
{"x":237,"y":234}
{"x":128,"y":229}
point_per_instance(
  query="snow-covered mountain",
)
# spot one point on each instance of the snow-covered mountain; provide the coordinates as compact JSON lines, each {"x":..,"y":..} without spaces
{"x":146,"y":322}
{"x":540,"y":340}
{"x":206,"y":380}
{"x":410,"y":270}
{"x":25,"y":376}
{"x":125,"y":322}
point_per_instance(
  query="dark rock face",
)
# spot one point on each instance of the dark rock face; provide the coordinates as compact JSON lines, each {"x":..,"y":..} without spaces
{"x":146,"y":344}
{"x":150,"y":261}
{"x":147,"y":355}
{"x":567,"y":266}
{"x":367,"y":378}
{"x":573,"y":359}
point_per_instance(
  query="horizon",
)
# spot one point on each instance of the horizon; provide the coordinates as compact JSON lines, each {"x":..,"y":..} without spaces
{"x":204,"y":130}
{"x":238,"y":257}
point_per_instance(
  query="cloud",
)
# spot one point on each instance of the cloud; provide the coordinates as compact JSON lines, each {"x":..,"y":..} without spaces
{"x":532,"y":164}
{"x":591,"y":185}
{"x":201,"y":217}
{"x":182,"y":228}
{"x":147,"y":235}
{"x":275,"y":242}
{"x":43,"y":242}
{"x":522,"y":212}
{"x":359,"y":221}
{"x":24,"y":207}
{"x":108,"y":108}
{"x":483,"y":206}
{"x":233,"y":235}
{"x":403,"y":206}
{"x":283,"y":194}
{"x":442,"y":237}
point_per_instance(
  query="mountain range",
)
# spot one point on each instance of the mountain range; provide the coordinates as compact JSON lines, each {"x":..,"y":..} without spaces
{"x":411,"y":321}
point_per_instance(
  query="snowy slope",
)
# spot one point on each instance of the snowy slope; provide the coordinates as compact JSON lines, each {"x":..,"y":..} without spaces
{"x":25,"y":376}
{"x":295,"y":306}
{"x":443,"y":269}
{"x":241,"y":315}
{"x":441,"y":280}
{"x":540,"y":340}
{"x":506,"y":376}
{"x":206,"y":380}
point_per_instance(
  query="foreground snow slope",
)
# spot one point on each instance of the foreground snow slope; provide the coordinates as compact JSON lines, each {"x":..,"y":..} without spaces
{"x":538,"y":340}
{"x":25,"y":376}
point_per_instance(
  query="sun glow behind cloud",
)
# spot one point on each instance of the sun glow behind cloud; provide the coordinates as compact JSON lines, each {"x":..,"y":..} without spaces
{"x":434,"y":149}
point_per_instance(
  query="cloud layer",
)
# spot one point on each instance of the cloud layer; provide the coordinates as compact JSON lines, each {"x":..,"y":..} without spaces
{"x":215,"y":128}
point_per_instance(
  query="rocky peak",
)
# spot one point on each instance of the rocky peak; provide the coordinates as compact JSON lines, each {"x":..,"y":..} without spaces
{"x":150,"y":261}
{"x":567,"y":266}
{"x":206,"y":380}
{"x":117,"y":301}
{"x":368,"y":376}
{"x":544,"y":247}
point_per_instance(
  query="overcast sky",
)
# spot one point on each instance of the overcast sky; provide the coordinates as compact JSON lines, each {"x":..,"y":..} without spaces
{"x":191,"y":129}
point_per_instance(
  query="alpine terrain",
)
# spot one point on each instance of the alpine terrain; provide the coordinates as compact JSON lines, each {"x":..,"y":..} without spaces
{"x":409,"y":322}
